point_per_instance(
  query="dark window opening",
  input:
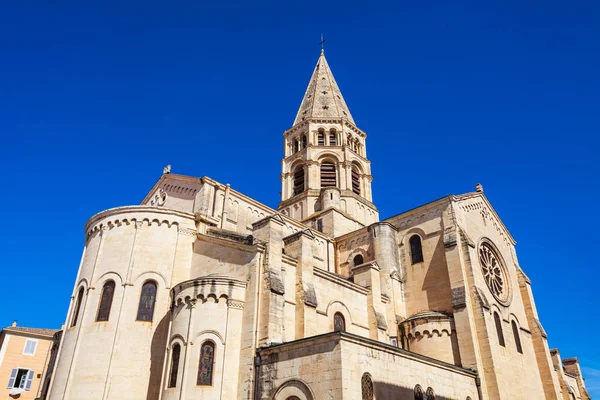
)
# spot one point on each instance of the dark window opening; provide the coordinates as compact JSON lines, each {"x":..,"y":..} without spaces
{"x":517,"y":338}
{"x":499,"y":329}
{"x":147,"y":301}
{"x":366,"y":384}
{"x":430,"y":394}
{"x":320,"y":225}
{"x":108,"y":291}
{"x":205,"y":369}
{"x":418,"y":392}
{"x":77,"y":307}
{"x":358,"y":259}
{"x":303,"y":141}
{"x":355,"y":181}
{"x":339,"y":323}
{"x":174,"y":365}
{"x":296,"y":145}
{"x":328,"y":178}
{"x":416,"y":250}
{"x":299,"y":180}
{"x":21,"y":378}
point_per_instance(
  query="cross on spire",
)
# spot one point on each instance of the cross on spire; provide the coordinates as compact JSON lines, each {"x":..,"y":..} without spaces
{"x":322,"y":43}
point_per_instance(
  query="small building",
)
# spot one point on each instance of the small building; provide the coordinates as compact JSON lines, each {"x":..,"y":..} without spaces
{"x":24,"y":355}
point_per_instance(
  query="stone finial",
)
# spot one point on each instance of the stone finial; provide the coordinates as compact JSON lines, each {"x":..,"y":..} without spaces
{"x":14,"y":323}
{"x":479,"y":188}
{"x":167,"y":169}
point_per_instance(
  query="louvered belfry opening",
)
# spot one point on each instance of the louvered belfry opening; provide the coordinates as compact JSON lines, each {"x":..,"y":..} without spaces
{"x":332,"y":138}
{"x":328,"y":175}
{"x":355,"y":181}
{"x":321,"y":137}
{"x":298,"y":180}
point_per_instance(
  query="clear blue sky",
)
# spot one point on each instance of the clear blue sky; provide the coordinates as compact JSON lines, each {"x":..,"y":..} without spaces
{"x":97,"y":97}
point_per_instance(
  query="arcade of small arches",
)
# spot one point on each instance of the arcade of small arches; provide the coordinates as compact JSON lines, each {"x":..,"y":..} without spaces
{"x":329,"y":176}
{"x":323,"y":138}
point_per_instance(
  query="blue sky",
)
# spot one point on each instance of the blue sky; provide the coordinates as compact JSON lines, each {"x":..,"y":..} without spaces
{"x":97,"y":97}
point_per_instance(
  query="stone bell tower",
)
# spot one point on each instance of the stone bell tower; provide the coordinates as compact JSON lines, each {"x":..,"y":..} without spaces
{"x":326,"y":176}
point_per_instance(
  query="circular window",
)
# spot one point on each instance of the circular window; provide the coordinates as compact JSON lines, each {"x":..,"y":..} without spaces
{"x":494,"y":272}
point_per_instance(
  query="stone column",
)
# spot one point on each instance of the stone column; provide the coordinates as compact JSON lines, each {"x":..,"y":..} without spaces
{"x":367,"y":275}
{"x":299,"y":246}
{"x":235,"y":310}
{"x":269,"y":231}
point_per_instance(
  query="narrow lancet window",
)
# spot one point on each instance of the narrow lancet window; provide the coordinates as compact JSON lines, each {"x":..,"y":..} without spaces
{"x":205,"y":369}
{"x":499,"y":329}
{"x":147,"y":301}
{"x":356,"y":181}
{"x":108,"y":291}
{"x":416,"y":250}
{"x":366,"y":384}
{"x":515,"y":330}
{"x":174,"y":365}
{"x":77,"y":307}
{"x":332,"y":137}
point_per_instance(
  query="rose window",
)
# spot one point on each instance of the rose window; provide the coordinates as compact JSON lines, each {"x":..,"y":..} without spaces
{"x":494,"y":272}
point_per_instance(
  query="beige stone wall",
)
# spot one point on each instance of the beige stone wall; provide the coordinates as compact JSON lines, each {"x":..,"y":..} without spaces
{"x":332,"y":367}
{"x":129,"y":245}
{"x":12,"y":345}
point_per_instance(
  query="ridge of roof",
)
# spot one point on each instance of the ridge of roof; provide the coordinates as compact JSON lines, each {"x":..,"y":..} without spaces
{"x":38,"y":331}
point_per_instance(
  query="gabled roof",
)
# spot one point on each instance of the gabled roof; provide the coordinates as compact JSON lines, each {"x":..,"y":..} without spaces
{"x":35,"y":331}
{"x":323,"y":98}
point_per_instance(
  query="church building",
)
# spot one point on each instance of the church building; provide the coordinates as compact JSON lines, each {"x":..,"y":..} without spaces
{"x":202,"y":292}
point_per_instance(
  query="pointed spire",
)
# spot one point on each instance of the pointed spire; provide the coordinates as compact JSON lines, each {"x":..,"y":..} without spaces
{"x":323,"y":98}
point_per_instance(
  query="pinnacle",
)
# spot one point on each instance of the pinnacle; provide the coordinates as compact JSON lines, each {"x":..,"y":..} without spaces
{"x":323,"y":98}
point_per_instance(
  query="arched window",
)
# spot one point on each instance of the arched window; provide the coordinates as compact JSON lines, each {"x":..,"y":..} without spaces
{"x":296,"y":144}
{"x":174,"y":365}
{"x":147,"y":301}
{"x":349,"y":141}
{"x":321,"y":137}
{"x":366,"y":384}
{"x":328,"y":178}
{"x":332,"y":137}
{"x":430,"y":394}
{"x":77,"y":307}
{"x":515,"y":330}
{"x":106,"y":298}
{"x":355,"y":180}
{"x":416,"y":250}
{"x":207,"y":359}
{"x":418,"y":392}
{"x":303,"y":141}
{"x":339,"y":323}
{"x":299,"y":180}
{"x":358,"y":259}
{"x":499,"y":329}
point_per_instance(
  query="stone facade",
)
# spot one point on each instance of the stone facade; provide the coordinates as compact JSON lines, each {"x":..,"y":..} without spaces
{"x":203,"y":292}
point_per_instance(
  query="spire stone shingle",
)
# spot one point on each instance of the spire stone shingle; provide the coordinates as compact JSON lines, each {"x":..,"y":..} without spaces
{"x":323,"y":98}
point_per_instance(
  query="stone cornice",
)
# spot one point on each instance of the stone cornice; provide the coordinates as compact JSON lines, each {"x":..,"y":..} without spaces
{"x":112,"y":212}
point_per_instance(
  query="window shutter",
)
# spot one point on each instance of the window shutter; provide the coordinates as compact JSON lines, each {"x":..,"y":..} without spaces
{"x":29,"y":379}
{"x":13,"y":376}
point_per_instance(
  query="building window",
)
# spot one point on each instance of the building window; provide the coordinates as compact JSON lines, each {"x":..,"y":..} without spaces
{"x":299,"y":180}
{"x":515,"y":330}
{"x":416,"y":250}
{"x":356,"y":181}
{"x":296,"y":144}
{"x":332,"y":137}
{"x":147,"y":301}
{"x":358,"y":259}
{"x":418,"y":392}
{"x":320,"y":225}
{"x":321,"y":137}
{"x":77,"y":307}
{"x":303,"y":141}
{"x":30,"y":346}
{"x":499,"y":329}
{"x":205,"y":369}
{"x":328,"y":178}
{"x":430,"y":394}
{"x":339,"y":323}
{"x":21,"y":378}
{"x":174,"y":365}
{"x":108,"y":291}
{"x":366,"y":384}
